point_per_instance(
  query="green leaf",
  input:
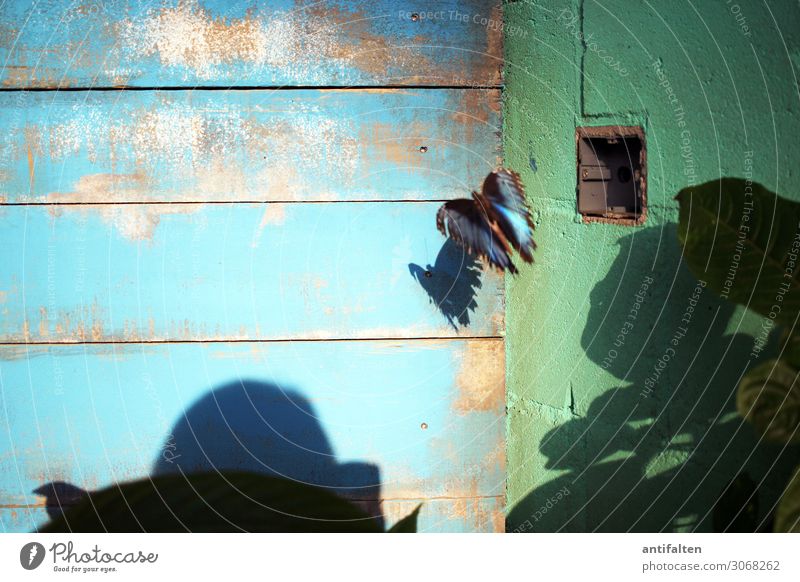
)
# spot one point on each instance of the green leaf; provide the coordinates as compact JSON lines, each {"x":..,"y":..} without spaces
{"x":408,"y":524}
{"x":213,"y":502}
{"x":743,"y":241}
{"x":787,"y":517}
{"x":769,"y":398}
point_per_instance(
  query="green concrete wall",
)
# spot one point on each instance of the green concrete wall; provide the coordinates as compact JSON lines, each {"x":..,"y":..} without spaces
{"x":614,"y":440}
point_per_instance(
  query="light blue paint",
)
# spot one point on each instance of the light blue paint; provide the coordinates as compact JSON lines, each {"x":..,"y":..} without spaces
{"x":245,"y":145}
{"x":212,"y":272}
{"x":97,"y":250}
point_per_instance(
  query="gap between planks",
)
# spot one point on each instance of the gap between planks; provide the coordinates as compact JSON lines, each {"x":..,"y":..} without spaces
{"x":221,"y":202}
{"x":258,"y":341}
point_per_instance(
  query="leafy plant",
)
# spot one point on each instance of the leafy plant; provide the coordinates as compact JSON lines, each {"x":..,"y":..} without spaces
{"x":769,"y":398}
{"x":218,"y":502}
{"x":739,"y":237}
{"x":408,"y":524}
{"x":744,"y":242}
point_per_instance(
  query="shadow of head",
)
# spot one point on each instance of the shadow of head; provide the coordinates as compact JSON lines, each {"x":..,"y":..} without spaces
{"x":259,"y":427}
{"x":650,"y":308}
{"x":451,"y":284}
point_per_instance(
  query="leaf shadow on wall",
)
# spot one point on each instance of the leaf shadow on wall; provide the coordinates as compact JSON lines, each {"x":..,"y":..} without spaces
{"x":253,"y":426}
{"x":657,"y":452}
{"x":259,"y":427}
{"x":451,"y":283}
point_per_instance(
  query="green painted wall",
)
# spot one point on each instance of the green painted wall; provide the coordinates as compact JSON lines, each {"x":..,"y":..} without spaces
{"x":612,"y":440}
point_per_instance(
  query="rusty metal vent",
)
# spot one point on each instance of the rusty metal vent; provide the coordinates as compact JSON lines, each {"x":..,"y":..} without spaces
{"x":612,"y":174}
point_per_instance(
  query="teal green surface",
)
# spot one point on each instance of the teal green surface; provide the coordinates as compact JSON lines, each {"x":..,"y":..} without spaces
{"x":601,"y":436}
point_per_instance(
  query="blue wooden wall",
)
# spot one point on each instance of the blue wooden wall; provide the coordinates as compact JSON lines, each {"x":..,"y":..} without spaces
{"x":219,"y":250}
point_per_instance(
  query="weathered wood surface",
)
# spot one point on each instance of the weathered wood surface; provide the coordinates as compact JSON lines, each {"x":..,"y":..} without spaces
{"x":146,"y":43}
{"x":160,"y":272}
{"x":477,"y":515}
{"x":427,"y":414}
{"x":246,"y":145}
{"x":302,"y":219}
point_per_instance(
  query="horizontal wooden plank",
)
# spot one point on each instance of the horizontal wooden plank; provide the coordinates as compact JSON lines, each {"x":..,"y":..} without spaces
{"x":476,"y":515}
{"x":187,"y":146}
{"x":161,"y":272}
{"x":391,"y":420}
{"x":21,"y":519}
{"x":58,"y":43}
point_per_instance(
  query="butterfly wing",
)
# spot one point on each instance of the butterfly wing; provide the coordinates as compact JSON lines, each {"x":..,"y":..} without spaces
{"x":464,"y":222}
{"x":504,"y":199}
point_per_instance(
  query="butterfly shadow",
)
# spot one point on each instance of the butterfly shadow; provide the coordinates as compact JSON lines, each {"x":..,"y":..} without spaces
{"x":451,"y":283}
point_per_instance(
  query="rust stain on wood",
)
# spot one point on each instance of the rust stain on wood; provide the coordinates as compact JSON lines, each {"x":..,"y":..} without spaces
{"x":495,"y":460}
{"x":471,"y":508}
{"x":30,"y":168}
{"x":274,"y":214}
{"x":400,"y":149}
{"x":473,"y":114}
{"x":498,"y":518}
{"x":373,"y":90}
{"x":493,"y":65}
{"x":97,"y":192}
{"x":44,"y":330}
{"x":80,"y":325}
{"x":373,"y":53}
{"x":481,"y":378}
{"x":24,"y":76}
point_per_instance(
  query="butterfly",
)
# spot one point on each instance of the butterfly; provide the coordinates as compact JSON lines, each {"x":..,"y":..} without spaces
{"x":495,"y":221}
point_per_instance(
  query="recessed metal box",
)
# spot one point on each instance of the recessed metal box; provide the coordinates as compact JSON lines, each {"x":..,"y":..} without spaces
{"x":612,"y":174}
